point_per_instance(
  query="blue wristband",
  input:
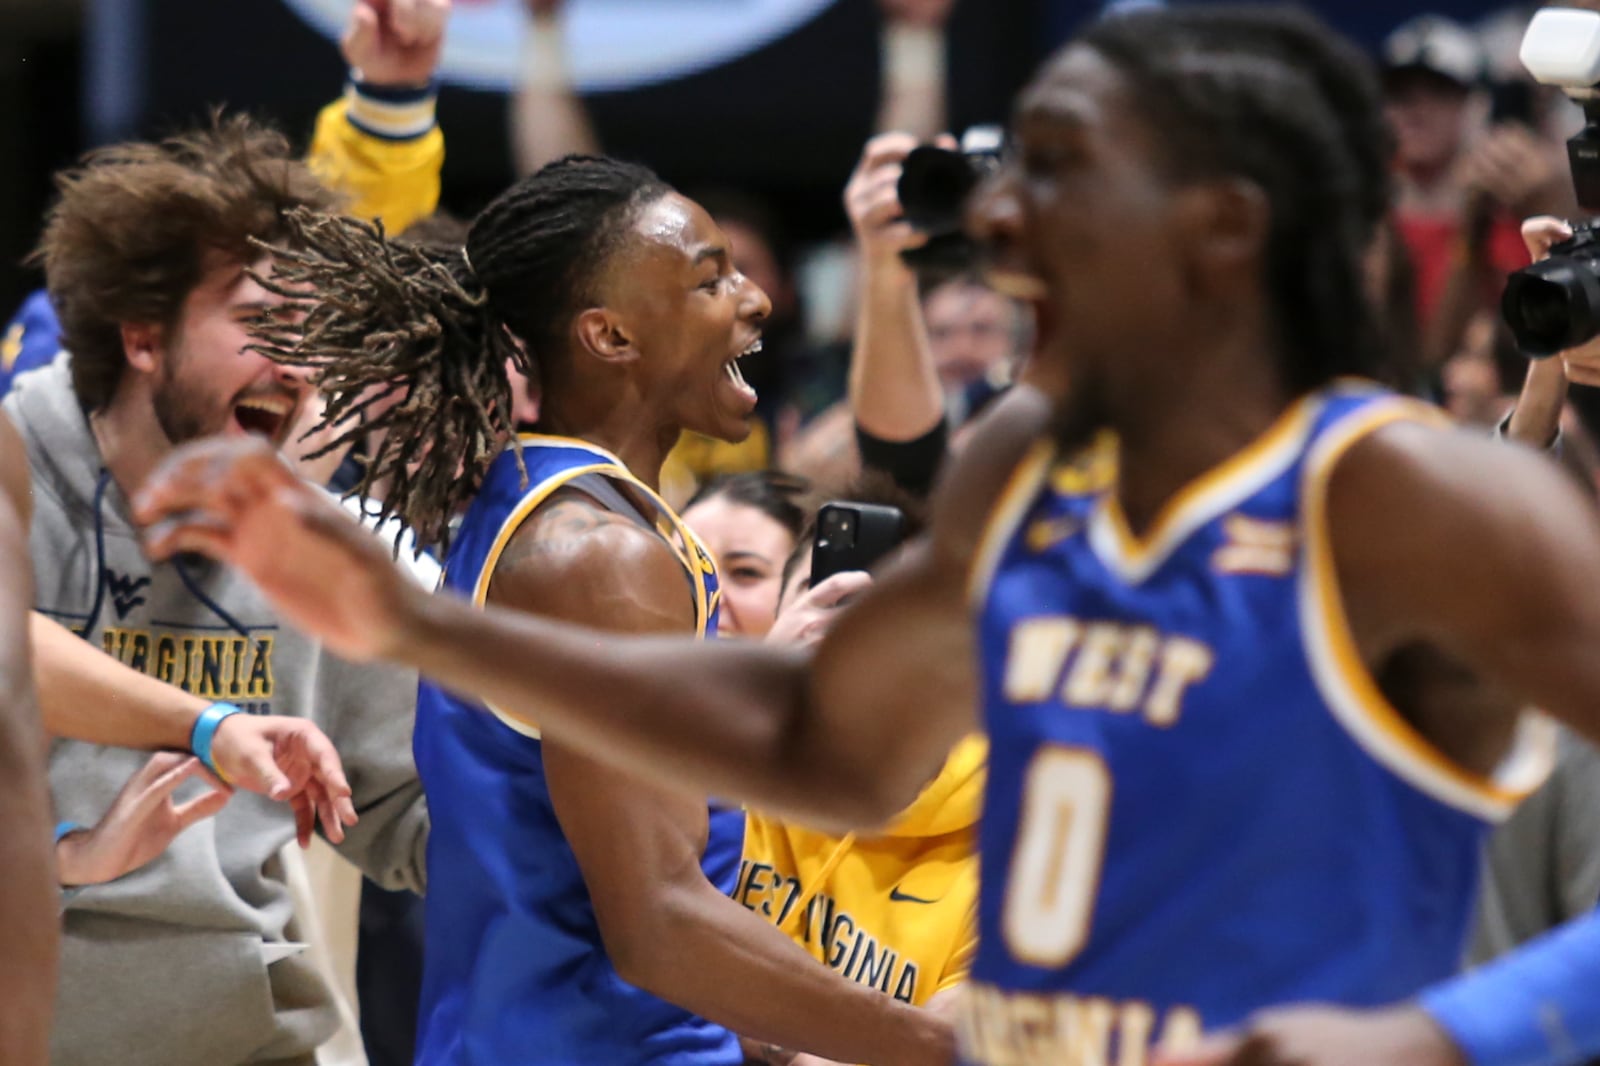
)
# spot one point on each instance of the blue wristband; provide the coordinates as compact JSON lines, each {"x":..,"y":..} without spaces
{"x":1537,"y":1006}
{"x":205,"y":730}
{"x":63,"y":828}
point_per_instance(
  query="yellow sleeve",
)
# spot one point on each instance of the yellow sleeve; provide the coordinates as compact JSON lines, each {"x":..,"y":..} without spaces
{"x":383,"y":150}
{"x":960,"y":962}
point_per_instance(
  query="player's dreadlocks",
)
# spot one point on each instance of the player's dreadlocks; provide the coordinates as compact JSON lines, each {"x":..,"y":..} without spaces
{"x":433,"y":326}
{"x":1270,"y":94}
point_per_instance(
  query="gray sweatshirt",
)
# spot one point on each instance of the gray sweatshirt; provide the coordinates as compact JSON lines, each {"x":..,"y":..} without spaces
{"x":1542,"y":867}
{"x":194,"y":960}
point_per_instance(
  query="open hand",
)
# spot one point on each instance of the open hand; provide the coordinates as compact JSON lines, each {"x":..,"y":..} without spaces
{"x":289,"y":760}
{"x":236,"y":501}
{"x":395,"y":42}
{"x":142,"y":822}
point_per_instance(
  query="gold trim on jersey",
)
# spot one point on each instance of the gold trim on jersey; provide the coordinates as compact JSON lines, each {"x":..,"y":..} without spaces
{"x":685,"y":545}
{"x":1244,"y":473}
{"x":1348,"y":688}
{"x":1014,"y":501}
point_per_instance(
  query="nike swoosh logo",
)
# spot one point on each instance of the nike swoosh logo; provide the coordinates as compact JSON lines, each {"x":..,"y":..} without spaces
{"x":897,"y":896}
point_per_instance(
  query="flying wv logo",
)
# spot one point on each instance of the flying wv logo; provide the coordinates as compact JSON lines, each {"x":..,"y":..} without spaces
{"x":126,"y":592}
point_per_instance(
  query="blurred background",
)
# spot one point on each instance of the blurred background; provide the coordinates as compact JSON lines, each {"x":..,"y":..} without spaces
{"x":774,"y":97}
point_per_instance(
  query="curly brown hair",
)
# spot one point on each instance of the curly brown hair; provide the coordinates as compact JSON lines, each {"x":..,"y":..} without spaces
{"x":136,"y":226}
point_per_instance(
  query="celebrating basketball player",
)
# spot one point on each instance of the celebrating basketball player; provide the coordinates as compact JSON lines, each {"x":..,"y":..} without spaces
{"x":1252,"y":632}
{"x":575,"y":912}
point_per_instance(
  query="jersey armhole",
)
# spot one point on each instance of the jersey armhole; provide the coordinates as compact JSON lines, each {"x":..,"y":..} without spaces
{"x":524,"y":509}
{"x":1348,"y":688}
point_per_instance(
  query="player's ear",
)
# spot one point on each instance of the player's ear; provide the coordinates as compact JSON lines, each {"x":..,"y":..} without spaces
{"x":1224,"y":225}
{"x":603,"y":335}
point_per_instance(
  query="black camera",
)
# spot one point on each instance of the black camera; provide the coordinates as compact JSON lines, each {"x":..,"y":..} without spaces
{"x":934,"y":186}
{"x":1554,"y":304}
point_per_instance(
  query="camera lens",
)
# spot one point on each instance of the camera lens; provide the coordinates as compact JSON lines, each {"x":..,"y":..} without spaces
{"x":1553,"y":305}
{"x":934,"y":184}
{"x":1541,"y":315}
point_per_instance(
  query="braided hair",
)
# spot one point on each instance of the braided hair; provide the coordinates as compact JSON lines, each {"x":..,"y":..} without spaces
{"x":434,"y":325}
{"x":1270,"y":94}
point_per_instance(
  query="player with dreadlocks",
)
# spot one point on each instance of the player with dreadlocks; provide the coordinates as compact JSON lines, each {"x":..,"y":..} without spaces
{"x":574,"y":912}
{"x":1252,"y":635}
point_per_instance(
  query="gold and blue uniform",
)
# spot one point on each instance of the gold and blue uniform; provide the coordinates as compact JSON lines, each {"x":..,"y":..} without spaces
{"x":1199,"y":802}
{"x":516,"y":970}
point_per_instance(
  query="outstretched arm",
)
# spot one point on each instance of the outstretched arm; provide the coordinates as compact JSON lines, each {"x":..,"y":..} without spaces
{"x":845,"y":739}
{"x":27,"y":891}
{"x":1534,"y":1007}
{"x":548,"y":120}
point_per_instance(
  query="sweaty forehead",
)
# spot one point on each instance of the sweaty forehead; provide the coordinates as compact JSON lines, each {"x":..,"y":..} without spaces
{"x":675,"y":226}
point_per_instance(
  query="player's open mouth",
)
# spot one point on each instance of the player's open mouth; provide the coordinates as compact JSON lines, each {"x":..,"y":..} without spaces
{"x":735,"y":376}
{"x":264,"y":416}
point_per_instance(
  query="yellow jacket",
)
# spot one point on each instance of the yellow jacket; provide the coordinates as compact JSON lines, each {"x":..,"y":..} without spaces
{"x":896,"y":910}
{"x":383,"y":150}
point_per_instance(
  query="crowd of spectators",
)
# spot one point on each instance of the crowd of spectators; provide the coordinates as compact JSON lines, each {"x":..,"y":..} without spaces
{"x":869,"y":376}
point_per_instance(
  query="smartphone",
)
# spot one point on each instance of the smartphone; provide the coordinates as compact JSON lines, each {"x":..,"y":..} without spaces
{"x":853,"y":536}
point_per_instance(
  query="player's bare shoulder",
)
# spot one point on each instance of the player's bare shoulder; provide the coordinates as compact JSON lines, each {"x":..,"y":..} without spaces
{"x":575,"y":559}
{"x":1434,"y":523}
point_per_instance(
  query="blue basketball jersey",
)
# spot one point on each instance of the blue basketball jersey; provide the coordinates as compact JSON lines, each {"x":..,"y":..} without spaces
{"x":516,"y":971}
{"x":1199,"y":804}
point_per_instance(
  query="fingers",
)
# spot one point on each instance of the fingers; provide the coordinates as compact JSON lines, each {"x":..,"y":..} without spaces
{"x":198,"y":809}
{"x":1581,"y":370}
{"x":1541,"y":232}
{"x":417,"y":22}
{"x":192,"y":532}
{"x":331,"y":815}
{"x":328,"y":770}
{"x":885,"y":148}
{"x":404,"y":21}
{"x":305,"y":817}
{"x":839,"y":588}
{"x":203,"y":773}
{"x":360,"y":38}
{"x":324,"y":780}
{"x":156,"y":781}
{"x":157,"y":765}
{"x":1212,"y":1051}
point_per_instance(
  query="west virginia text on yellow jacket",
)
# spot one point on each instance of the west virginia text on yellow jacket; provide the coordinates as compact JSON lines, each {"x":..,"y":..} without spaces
{"x":896,"y":910}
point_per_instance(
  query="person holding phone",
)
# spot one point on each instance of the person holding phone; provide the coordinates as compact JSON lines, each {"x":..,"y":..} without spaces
{"x":893,"y":908}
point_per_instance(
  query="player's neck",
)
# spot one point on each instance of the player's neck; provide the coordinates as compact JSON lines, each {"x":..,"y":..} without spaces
{"x":1192,"y":420}
{"x":620,"y":428}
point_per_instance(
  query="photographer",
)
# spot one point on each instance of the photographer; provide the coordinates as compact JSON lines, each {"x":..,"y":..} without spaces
{"x":922,"y":356}
{"x":1459,"y":188}
{"x":1543,"y":866}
